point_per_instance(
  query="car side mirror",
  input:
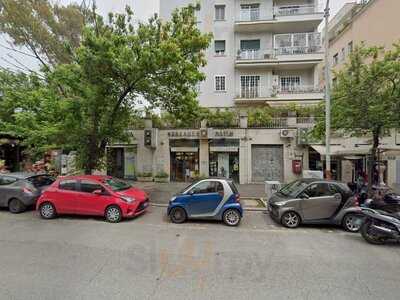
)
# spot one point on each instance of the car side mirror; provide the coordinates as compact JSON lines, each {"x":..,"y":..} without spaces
{"x":191,"y":193}
{"x":304,"y":196}
{"x":97,"y":192}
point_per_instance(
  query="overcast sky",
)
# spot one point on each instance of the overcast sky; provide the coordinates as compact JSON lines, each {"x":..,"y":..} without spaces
{"x":143,"y":10}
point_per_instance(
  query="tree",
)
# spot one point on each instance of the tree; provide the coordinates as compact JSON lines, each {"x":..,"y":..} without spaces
{"x":49,"y":31}
{"x":365,"y":98}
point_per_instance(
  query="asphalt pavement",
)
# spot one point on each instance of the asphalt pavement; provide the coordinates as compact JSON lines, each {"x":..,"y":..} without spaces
{"x":151,"y":258}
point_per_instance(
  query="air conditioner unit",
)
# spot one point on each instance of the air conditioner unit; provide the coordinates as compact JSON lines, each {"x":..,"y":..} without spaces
{"x":287,"y":133}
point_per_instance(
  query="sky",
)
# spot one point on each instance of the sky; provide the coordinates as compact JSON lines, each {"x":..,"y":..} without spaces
{"x":143,"y":10}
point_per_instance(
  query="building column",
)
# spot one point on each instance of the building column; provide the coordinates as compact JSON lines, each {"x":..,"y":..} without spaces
{"x":204,"y":158}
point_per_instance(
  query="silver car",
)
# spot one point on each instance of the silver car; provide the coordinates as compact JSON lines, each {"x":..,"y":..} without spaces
{"x":20,"y":190}
{"x":315,"y":201}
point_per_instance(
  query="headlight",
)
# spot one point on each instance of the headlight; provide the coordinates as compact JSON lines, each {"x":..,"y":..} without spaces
{"x":280,"y":203}
{"x":172,"y":199}
{"x":128,"y":199}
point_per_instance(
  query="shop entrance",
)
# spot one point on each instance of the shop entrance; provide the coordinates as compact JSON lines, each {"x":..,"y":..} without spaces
{"x":184,"y":165}
{"x":225,"y":165}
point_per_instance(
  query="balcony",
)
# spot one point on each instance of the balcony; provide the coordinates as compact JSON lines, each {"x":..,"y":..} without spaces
{"x":292,"y":48}
{"x":283,"y":18}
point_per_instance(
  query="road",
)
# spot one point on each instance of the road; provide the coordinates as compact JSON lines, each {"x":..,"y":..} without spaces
{"x":150,"y":258}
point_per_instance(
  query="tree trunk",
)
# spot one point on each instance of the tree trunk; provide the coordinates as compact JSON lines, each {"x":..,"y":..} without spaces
{"x":373,"y":158}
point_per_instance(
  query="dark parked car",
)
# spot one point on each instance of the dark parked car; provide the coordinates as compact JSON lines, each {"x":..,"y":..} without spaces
{"x":20,"y":190}
{"x":316,"y":201}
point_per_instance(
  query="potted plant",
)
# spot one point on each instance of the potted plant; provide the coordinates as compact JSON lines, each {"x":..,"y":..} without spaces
{"x":145,"y":176}
{"x":161,"y":177}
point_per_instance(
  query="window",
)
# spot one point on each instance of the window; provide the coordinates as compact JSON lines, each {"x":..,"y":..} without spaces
{"x":90,"y":186}
{"x":220,"y":83}
{"x":69,"y":185}
{"x":318,"y":190}
{"x":249,"y":86}
{"x":250,"y":12}
{"x":249,"y":45}
{"x":41,"y":180}
{"x":5,"y":180}
{"x":290,"y":83}
{"x":350,"y":47}
{"x":207,"y":187}
{"x":219,"y":12}
{"x":343,"y":55}
{"x":219,"y":47}
{"x":335,"y":59}
{"x":117,"y":185}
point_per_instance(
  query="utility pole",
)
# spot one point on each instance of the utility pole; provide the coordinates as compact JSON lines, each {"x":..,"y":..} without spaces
{"x":328,"y":171}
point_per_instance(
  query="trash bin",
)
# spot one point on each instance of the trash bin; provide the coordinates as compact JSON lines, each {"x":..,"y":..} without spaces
{"x":272,"y":187}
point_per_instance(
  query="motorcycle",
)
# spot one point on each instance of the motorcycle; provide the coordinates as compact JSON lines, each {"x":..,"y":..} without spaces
{"x":380,"y":226}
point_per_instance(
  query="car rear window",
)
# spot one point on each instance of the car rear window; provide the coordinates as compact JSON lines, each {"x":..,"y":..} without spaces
{"x":41,"y":180}
{"x":233,"y":187}
{"x":69,"y":185}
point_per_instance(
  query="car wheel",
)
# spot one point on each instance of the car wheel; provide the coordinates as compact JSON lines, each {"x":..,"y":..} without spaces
{"x":370,"y":236}
{"x":231,"y":217}
{"x":113,"y":214}
{"x":47,"y":211}
{"x":16,"y":206}
{"x":178,"y":215}
{"x":352,"y":222}
{"x":290,"y":219}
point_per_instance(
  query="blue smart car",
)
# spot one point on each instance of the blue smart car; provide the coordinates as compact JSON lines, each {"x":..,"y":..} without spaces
{"x":212,"y":199}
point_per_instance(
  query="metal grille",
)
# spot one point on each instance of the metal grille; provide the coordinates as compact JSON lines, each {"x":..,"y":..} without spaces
{"x":267,"y":163}
{"x":250,"y":86}
{"x":289,"y":83}
{"x":220,"y":83}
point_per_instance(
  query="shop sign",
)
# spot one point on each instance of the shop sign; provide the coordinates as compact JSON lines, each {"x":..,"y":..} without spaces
{"x":183,"y":134}
{"x":225,"y":133}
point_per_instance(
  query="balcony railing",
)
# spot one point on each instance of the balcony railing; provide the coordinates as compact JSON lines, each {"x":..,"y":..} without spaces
{"x":297,"y":50}
{"x":298,"y":89}
{"x":293,"y":10}
{"x":250,"y":92}
{"x":273,"y":53}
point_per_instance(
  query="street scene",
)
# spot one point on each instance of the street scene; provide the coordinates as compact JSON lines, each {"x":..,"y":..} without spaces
{"x":184,"y":149}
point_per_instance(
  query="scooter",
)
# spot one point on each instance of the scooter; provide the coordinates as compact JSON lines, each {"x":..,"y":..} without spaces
{"x":380,"y":227}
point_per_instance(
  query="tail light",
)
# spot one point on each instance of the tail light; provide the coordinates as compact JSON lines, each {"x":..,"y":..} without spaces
{"x":27,"y":190}
{"x":356,"y":201}
{"x":237,"y":198}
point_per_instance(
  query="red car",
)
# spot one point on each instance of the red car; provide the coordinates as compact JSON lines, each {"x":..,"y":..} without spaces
{"x":92,"y":195}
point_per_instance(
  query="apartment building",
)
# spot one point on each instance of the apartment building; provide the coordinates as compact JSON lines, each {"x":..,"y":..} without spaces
{"x":372,"y":22}
{"x":263,"y":52}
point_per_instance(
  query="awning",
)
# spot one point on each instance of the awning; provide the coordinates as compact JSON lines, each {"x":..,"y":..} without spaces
{"x":339,"y":150}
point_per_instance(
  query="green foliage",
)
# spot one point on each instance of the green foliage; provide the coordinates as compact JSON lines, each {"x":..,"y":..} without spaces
{"x":162,"y":175}
{"x":49,"y":31}
{"x":145,"y":174}
{"x":86,"y":104}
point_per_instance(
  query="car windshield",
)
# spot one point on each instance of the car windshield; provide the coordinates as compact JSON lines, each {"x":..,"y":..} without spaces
{"x":117,"y":185}
{"x":293,"y":189}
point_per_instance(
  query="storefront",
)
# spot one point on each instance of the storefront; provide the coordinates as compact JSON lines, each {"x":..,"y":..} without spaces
{"x":224,"y":158}
{"x":184,"y":157}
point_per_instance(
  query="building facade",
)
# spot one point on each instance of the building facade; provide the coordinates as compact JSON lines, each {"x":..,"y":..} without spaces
{"x":374,"y":23}
{"x":263,"y":51}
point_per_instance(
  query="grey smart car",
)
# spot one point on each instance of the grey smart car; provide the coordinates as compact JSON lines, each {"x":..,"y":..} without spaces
{"x":316,"y":201}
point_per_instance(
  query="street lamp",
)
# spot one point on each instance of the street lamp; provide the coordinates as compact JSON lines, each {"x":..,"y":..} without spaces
{"x":328,"y":171}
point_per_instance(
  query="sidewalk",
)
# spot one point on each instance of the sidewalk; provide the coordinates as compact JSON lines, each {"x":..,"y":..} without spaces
{"x":161,"y":193}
